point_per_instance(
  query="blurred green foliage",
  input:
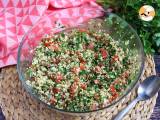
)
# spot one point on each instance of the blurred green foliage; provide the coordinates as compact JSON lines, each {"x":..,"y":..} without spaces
{"x":149,"y":32}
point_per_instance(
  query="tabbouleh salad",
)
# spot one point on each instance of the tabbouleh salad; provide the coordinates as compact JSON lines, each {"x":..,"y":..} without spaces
{"x":81,"y":70}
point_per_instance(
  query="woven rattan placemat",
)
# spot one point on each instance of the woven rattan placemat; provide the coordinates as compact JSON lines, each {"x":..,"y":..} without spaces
{"x":18,"y":105}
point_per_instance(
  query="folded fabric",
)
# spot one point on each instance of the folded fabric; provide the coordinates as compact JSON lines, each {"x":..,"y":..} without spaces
{"x":18,"y":16}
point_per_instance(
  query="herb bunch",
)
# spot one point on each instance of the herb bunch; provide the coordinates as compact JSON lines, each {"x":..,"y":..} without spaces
{"x":149,"y":32}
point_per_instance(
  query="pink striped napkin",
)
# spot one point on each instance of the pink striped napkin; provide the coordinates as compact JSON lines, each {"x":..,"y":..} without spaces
{"x":18,"y":16}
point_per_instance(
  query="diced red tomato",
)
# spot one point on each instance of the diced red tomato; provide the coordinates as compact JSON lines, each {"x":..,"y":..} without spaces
{"x":113,"y":92}
{"x":54,"y":47}
{"x":97,"y":37}
{"x":84,"y":86}
{"x":82,"y":66}
{"x":76,"y":70}
{"x":47,"y":43}
{"x":104,"y":53}
{"x":96,"y":96}
{"x":112,"y":88}
{"x":53,"y":100}
{"x":55,"y":60}
{"x":91,"y":46}
{"x":96,"y":81}
{"x":78,"y":53}
{"x":59,"y":78}
{"x":96,"y":55}
{"x":94,"y":106}
{"x":81,"y":59}
{"x":56,"y":90}
{"x":114,"y":96}
{"x":73,"y":89}
{"x":116,"y":82}
{"x":63,"y":96}
{"x":111,"y":99}
{"x":97,"y":69}
{"x":84,"y":30}
{"x":115,"y":58}
{"x":101,"y":64}
{"x":125,"y":74}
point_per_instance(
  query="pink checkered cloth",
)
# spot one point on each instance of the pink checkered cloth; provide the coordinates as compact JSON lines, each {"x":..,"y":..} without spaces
{"x":18,"y":16}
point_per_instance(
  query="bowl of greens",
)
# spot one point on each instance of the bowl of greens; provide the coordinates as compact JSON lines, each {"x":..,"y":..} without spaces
{"x":82,"y":69}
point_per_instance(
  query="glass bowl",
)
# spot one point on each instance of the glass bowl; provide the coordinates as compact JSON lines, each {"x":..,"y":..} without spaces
{"x":116,"y":27}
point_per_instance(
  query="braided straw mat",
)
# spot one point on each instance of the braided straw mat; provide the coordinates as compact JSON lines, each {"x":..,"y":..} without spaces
{"x":17,"y":104}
